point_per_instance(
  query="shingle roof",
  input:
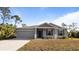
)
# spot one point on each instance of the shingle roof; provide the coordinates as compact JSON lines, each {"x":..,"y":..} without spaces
{"x":54,"y":25}
{"x":44,"y":25}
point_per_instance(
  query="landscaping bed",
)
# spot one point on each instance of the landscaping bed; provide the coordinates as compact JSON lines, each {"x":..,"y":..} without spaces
{"x":51,"y":45}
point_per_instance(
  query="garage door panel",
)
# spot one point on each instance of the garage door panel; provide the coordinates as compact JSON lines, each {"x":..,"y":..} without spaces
{"x":25,"y":34}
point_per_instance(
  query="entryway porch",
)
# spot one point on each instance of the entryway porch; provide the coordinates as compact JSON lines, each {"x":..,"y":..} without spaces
{"x":46,"y":33}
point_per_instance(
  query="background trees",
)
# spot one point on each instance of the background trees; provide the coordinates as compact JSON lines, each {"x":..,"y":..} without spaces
{"x":4,"y":14}
{"x":8,"y":30}
{"x":72,"y":29}
{"x":17,"y":18}
{"x":24,"y":25}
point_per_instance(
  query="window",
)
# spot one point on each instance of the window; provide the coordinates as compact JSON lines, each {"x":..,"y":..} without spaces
{"x":60,"y":32}
{"x":49,"y":32}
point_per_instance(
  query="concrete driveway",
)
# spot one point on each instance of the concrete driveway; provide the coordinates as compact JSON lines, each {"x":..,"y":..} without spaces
{"x":12,"y":44}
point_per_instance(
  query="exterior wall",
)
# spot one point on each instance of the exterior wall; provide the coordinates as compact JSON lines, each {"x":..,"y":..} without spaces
{"x":65,"y":33}
{"x":60,"y":33}
{"x":53,"y":36}
{"x":32,"y":33}
{"x":55,"y":33}
{"x":44,"y":33}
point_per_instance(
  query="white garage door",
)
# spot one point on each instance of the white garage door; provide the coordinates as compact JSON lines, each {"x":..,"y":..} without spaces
{"x":25,"y":34}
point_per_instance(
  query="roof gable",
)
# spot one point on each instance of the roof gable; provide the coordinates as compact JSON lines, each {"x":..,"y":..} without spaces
{"x":45,"y":25}
{"x":54,"y":25}
{"x":49,"y":25}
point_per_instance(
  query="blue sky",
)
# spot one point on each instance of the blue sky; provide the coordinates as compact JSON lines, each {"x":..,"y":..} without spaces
{"x":35,"y":15}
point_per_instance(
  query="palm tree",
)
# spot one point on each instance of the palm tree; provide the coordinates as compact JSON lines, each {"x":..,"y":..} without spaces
{"x":17,"y":18}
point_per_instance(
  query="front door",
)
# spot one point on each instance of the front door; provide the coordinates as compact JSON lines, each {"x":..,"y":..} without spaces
{"x":39,"y":33}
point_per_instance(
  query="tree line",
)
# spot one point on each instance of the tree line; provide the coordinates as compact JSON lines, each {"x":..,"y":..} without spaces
{"x":8,"y":30}
{"x":72,"y":30}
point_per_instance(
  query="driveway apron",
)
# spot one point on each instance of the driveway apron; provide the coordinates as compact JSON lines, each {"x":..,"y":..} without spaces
{"x":12,"y":45}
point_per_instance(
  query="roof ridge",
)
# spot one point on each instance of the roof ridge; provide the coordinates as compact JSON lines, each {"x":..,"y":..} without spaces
{"x":55,"y":25}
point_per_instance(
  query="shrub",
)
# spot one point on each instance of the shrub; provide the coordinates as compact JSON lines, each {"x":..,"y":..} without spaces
{"x":7,"y":31}
{"x":74,"y":34}
{"x":77,"y":34}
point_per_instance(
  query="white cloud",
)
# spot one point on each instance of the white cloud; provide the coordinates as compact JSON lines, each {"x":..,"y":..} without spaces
{"x":68,"y":19}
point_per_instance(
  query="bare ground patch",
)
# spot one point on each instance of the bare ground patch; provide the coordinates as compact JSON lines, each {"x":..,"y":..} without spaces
{"x":51,"y":45}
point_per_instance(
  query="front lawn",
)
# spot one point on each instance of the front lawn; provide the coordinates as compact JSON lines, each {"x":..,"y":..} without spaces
{"x":71,"y":38}
{"x":51,"y":45}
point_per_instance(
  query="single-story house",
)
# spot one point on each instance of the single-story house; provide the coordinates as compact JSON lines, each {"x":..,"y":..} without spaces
{"x":45,"y":30}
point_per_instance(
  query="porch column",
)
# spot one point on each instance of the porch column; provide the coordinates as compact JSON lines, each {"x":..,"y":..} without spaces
{"x":55,"y":33}
{"x":35,"y":35}
{"x":44,"y":33}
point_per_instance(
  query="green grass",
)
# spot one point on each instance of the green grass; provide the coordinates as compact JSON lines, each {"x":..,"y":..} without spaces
{"x":71,"y":38}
